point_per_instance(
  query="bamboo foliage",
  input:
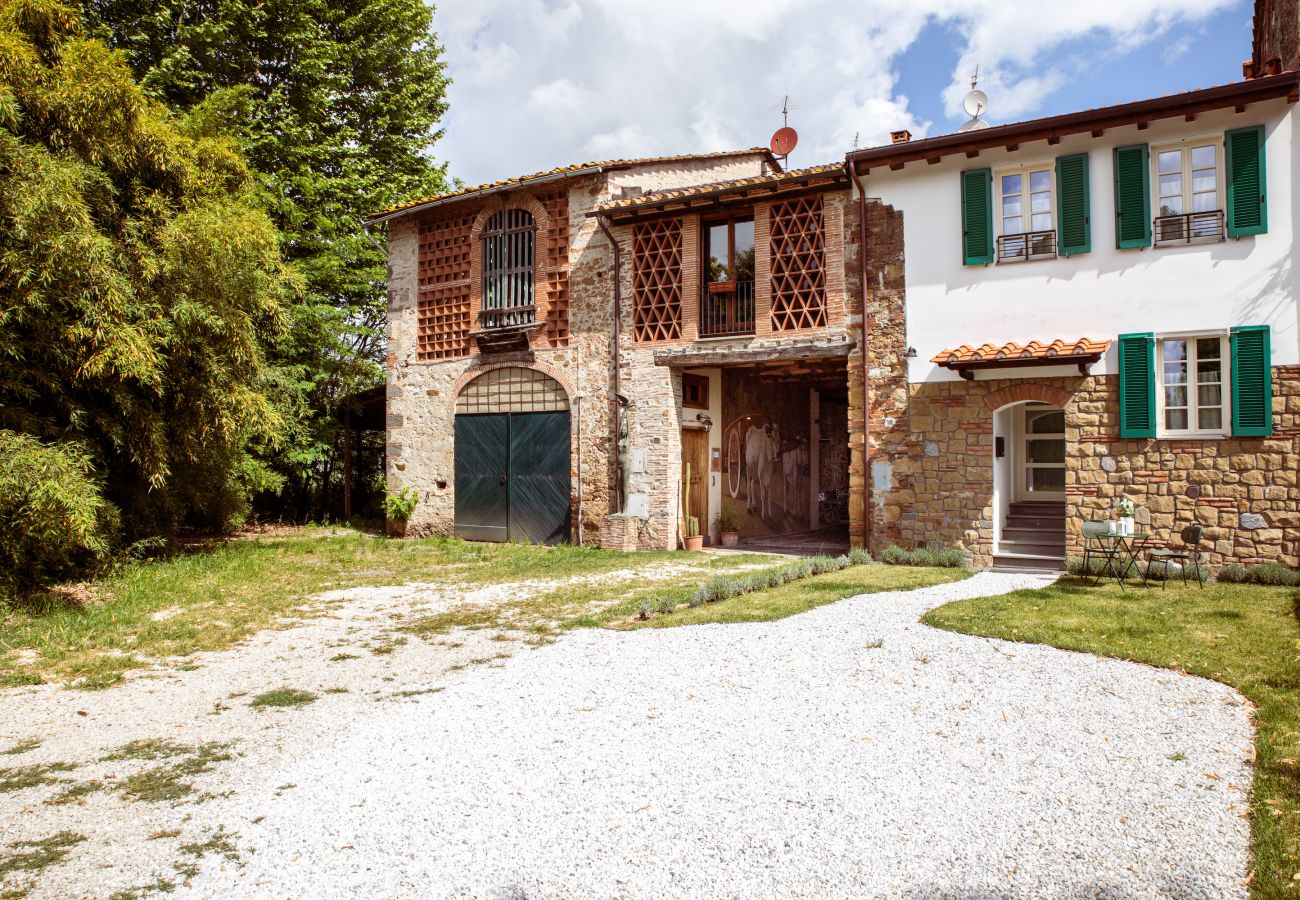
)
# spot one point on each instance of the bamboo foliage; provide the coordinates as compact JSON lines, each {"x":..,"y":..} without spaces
{"x":140,"y":280}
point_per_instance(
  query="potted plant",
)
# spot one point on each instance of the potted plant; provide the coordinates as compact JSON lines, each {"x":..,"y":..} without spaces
{"x":693,"y":540}
{"x":691,"y":537}
{"x":728,"y":528}
{"x":399,"y":506}
{"x":1126,"y":510}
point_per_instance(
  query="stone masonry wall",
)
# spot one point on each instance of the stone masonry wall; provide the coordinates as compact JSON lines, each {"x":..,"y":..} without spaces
{"x":422,"y":393}
{"x":931,"y":449}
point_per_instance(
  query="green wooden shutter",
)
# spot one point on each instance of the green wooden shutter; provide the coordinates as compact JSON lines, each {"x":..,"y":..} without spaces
{"x":1252,"y":382}
{"x":1137,"y":386}
{"x":1132,"y":197}
{"x":977,"y":217}
{"x":1247,"y":210}
{"x":1074,"y":222}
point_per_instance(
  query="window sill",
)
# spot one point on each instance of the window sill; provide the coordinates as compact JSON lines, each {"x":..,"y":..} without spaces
{"x":1019,"y":260}
{"x":1192,"y":436}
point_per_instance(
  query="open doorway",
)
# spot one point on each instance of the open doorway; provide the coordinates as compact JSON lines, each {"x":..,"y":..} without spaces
{"x":1029,"y":485}
{"x":785,"y":454}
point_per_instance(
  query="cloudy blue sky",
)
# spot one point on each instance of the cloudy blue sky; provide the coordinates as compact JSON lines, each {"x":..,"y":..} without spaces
{"x":543,"y":83}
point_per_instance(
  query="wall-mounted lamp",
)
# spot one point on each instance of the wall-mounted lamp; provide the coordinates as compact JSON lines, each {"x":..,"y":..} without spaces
{"x":910,"y":354}
{"x":705,"y":421}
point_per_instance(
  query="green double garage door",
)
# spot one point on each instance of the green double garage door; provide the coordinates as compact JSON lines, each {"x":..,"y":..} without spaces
{"x":512,"y":477}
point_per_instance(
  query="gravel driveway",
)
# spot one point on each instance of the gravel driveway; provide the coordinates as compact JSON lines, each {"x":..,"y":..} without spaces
{"x":846,"y":751}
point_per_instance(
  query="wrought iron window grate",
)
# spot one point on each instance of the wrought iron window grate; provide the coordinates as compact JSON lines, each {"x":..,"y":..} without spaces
{"x":1189,"y":228}
{"x":1013,"y":248}
{"x":509,"y":261}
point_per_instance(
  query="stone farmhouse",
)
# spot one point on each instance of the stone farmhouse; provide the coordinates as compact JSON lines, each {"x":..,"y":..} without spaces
{"x":980,"y":339}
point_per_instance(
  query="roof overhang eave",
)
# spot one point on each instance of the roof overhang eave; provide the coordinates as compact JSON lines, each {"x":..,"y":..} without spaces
{"x":1051,"y":128}
{"x":495,"y":189}
{"x":822,"y":181}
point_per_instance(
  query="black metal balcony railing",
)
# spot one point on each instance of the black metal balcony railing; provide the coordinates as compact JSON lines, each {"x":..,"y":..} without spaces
{"x":728,"y":309}
{"x":507,"y":317}
{"x":1024,"y":247}
{"x":1189,"y":228}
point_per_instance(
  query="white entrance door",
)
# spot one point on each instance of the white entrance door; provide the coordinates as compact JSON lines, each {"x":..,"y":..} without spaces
{"x":1042,"y":453}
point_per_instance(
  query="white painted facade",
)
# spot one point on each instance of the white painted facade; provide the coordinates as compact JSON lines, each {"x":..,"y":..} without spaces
{"x":1106,"y":292}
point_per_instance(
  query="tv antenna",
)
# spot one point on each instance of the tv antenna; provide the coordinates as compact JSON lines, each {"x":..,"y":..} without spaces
{"x":976,"y":103}
{"x":786,"y":138}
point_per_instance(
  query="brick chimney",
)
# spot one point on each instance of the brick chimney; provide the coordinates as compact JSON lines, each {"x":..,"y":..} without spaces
{"x":900,"y":137}
{"x":1276,"y":44}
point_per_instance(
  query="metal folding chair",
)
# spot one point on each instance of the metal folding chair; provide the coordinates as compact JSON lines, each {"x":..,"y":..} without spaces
{"x":1189,"y":554}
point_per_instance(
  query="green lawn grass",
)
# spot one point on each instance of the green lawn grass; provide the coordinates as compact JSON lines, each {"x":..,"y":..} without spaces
{"x":1245,"y":636}
{"x":211,"y":598}
{"x":790,"y":599}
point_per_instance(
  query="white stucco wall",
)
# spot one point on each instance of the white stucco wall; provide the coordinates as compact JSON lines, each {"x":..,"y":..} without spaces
{"x":1106,"y":292}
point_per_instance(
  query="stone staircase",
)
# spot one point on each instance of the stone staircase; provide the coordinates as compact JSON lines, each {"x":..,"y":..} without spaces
{"x":1033,"y":537}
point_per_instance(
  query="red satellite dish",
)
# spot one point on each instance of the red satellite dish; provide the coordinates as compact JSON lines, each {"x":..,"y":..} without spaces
{"x":784,"y":141}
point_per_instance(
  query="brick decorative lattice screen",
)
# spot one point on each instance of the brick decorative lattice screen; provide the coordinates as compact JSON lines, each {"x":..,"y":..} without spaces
{"x":555,"y":256}
{"x":443,"y":310}
{"x":798,"y":264}
{"x":657,"y":280}
{"x":512,"y":389}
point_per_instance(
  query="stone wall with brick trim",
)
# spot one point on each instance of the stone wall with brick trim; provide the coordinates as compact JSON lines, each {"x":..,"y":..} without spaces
{"x":655,"y":391}
{"x":1249,"y":501}
{"x":933,"y":470}
{"x":422,"y":392}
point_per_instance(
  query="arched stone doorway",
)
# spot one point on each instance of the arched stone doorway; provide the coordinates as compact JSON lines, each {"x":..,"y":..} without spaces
{"x":1029,"y":465}
{"x":512,"y":458}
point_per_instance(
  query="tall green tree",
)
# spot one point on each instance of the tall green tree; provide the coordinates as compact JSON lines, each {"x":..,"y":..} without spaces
{"x":338,"y":104}
{"x":140,"y":279}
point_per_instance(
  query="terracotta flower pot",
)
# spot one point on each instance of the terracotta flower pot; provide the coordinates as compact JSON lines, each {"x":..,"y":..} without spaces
{"x":731,"y":538}
{"x":694,"y":543}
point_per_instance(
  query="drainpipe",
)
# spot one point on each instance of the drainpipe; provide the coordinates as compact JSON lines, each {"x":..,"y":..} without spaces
{"x":866,"y":361}
{"x":620,"y":402}
{"x":578,"y":401}
{"x":365,"y":229}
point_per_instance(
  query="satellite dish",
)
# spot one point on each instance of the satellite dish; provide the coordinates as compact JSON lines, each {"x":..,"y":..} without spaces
{"x":784,"y":141}
{"x":974,"y":125}
{"x":975,"y":103}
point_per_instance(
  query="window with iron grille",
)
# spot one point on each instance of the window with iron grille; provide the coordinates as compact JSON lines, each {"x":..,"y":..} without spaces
{"x":509,"y":245}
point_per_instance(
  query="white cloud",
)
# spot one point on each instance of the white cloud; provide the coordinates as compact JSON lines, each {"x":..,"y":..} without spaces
{"x":541,"y":83}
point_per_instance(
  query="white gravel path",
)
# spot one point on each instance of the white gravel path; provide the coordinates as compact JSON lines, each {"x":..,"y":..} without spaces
{"x":793,"y":758}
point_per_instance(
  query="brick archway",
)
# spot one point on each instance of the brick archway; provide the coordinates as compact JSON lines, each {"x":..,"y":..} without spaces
{"x":1022,"y":393}
{"x":556,"y":374}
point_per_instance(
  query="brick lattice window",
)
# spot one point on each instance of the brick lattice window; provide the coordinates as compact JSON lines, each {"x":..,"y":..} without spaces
{"x":443,"y":313}
{"x":556,"y":257}
{"x":657,"y":280}
{"x":798,"y":264}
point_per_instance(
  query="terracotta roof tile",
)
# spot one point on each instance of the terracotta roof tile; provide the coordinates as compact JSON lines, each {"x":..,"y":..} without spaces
{"x":1034,"y":350}
{"x":776,"y":178}
{"x":599,"y":164}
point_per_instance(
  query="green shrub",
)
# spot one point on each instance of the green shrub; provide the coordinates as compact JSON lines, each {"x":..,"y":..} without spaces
{"x":1233,"y":573}
{"x":666,"y":605}
{"x":932,"y":557}
{"x":858,"y":556}
{"x":1096,"y":565}
{"x":724,"y":587}
{"x":56,"y":518}
{"x":1270,"y":573}
{"x":401,"y":505}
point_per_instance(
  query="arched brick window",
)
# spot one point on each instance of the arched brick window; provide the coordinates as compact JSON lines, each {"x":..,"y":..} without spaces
{"x":509,"y":244}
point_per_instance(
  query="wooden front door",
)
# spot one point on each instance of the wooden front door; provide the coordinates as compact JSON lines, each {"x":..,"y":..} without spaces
{"x":695,"y":451}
